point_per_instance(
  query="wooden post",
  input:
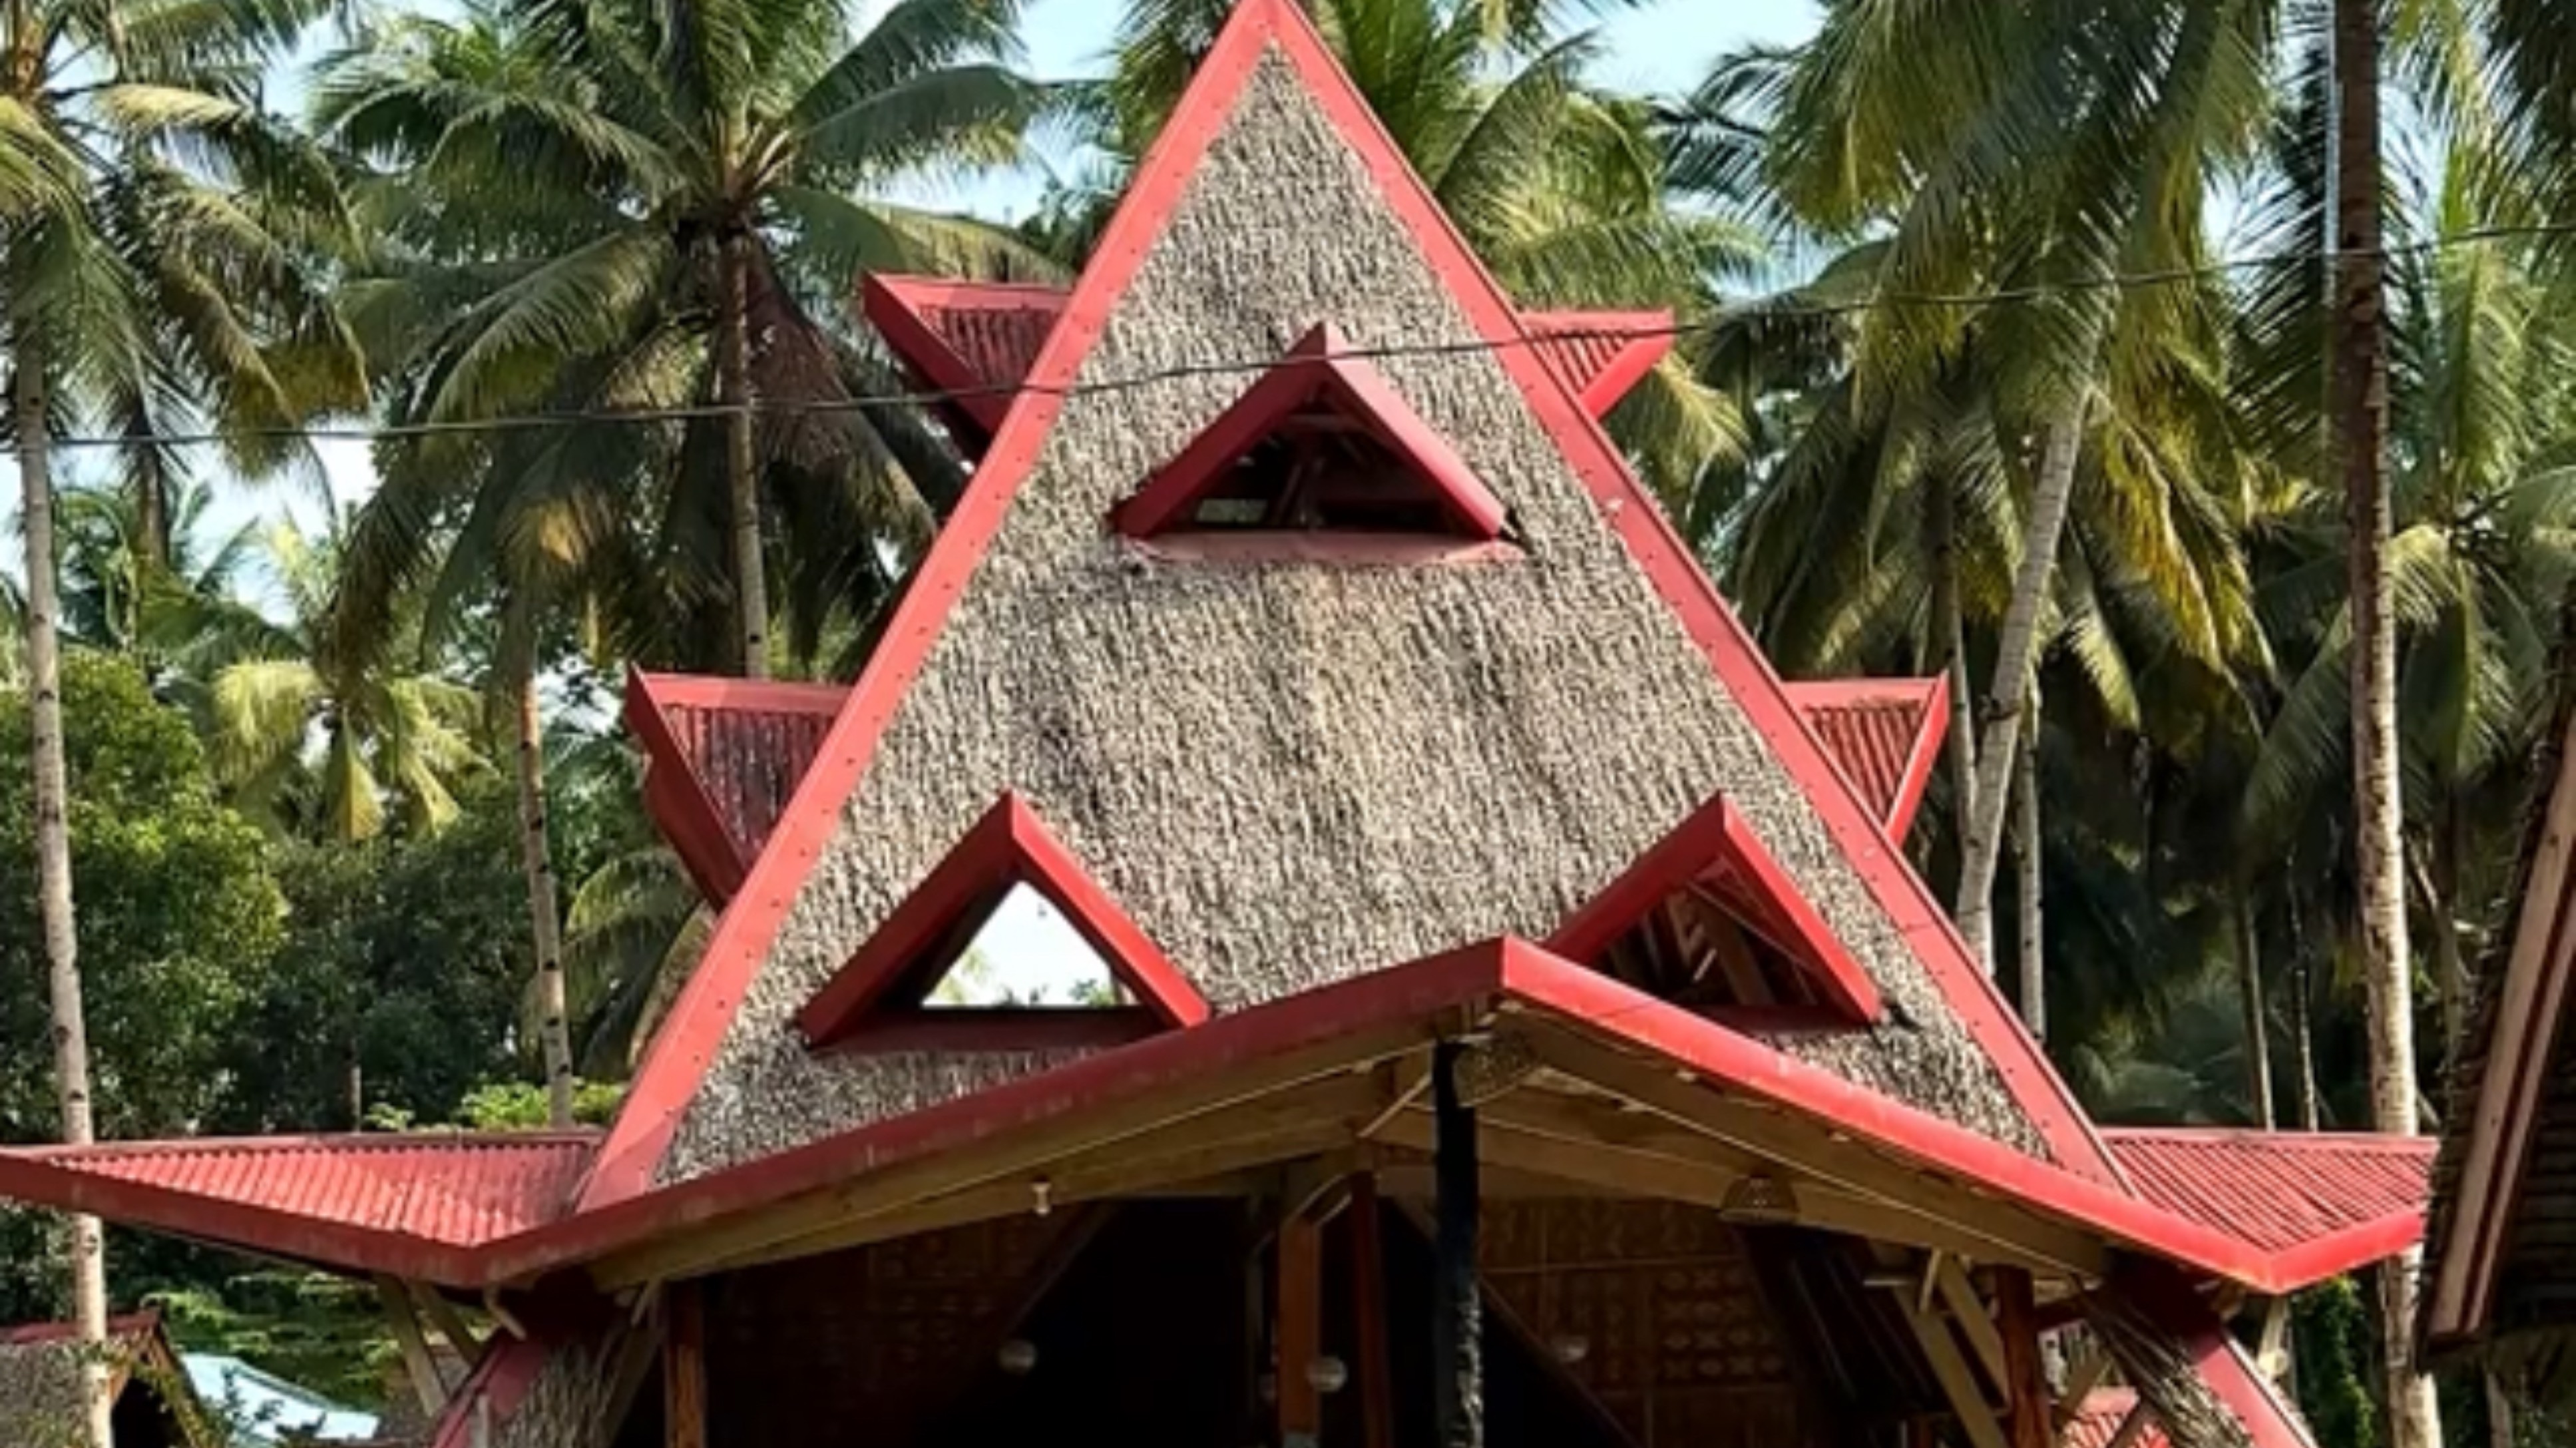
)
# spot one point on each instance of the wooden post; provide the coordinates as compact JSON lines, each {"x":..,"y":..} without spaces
{"x":2026,"y":1409}
{"x":426,"y":1383}
{"x":1368,"y":1312}
{"x":1299,"y":1331}
{"x":1457,"y":1344}
{"x":684,"y":1367}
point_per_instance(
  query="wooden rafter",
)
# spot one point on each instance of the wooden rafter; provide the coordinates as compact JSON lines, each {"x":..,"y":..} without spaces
{"x":1958,"y":1381}
{"x":418,"y":1365}
{"x":1976,"y":1324}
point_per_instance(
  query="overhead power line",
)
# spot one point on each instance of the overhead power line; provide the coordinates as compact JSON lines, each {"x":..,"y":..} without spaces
{"x":1792,"y":310}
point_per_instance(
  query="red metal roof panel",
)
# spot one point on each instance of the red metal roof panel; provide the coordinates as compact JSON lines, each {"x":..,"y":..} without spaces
{"x":453,"y":1189}
{"x":2338,"y":1200}
{"x":1883,"y":732}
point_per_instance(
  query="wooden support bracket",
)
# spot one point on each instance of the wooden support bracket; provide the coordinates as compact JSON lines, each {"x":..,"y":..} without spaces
{"x":450,"y":1323}
{"x":2272,"y":1356}
{"x":2082,"y":1377}
{"x":1958,"y":1381}
{"x":400,"y":1314}
{"x":1976,"y":1324}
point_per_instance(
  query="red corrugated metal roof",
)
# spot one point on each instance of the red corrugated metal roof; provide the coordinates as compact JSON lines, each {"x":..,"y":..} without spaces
{"x":2097,"y":1421}
{"x":1883,"y":732}
{"x":994,"y":331}
{"x":2335,"y":1201}
{"x":453,"y":1189}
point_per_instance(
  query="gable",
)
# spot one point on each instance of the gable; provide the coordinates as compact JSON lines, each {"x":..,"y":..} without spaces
{"x":1293,"y":773}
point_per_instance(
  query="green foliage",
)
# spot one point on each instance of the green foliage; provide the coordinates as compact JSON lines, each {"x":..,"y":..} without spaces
{"x":521,"y":1105}
{"x":406,"y":960}
{"x":2332,"y":1338}
{"x":321,"y":1332}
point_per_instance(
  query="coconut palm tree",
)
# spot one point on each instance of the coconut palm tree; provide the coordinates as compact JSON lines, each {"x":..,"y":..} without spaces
{"x":157,"y":224}
{"x":610,"y":204}
{"x":126,"y":591}
{"x":315,"y":737}
{"x":1560,"y":186}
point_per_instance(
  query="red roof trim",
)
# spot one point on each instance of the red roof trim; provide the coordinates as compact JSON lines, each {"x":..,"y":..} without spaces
{"x":1426,"y":993}
{"x":1926,"y":757}
{"x":1315,"y":370}
{"x":1718,"y":834}
{"x":146,"y":1323}
{"x":1631,"y":1018}
{"x":2169,"y":1301}
{"x":675,"y":792}
{"x":1008,"y":846}
{"x":894,"y":306}
{"x":1647,"y":339}
{"x":681,"y":1050}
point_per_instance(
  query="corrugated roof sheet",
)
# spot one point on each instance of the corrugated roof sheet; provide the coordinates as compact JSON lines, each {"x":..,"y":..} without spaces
{"x":748,"y":757}
{"x":454,"y":1189}
{"x":748,"y":749}
{"x":996,"y":330}
{"x":1875,"y":729}
{"x":2278,"y":1189}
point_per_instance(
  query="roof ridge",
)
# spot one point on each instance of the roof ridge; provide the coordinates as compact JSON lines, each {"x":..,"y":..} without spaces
{"x":2271,"y":1137}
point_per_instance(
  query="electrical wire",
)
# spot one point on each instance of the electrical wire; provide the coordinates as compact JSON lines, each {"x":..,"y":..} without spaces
{"x":1763,"y":311}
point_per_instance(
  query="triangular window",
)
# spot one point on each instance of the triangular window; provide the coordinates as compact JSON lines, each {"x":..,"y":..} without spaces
{"x":1321,"y":444}
{"x":1709,"y":920}
{"x":1006,"y":945}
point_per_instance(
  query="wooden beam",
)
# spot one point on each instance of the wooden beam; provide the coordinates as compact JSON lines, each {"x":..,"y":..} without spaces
{"x":2082,"y":1377}
{"x":2026,"y":1404}
{"x":426,"y":1382}
{"x":1297,"y":1328}
{"x":1812,"y":1149}
{"x":1958,"y":1381}
{"x":1299,"y":1123}
{"x":2272,"y":1357}
{"x":1457,"y":1345}
{"x":450,"y":1323}
{"x":1374,"y":1369}
{"x":1189,"y":1170}
{"x":2132,"y":1426}
{"x":639,"y":1347}
{"x":684,"y":1367}
{"x":1342,"y":1062}
{"x":1976,"y":1327}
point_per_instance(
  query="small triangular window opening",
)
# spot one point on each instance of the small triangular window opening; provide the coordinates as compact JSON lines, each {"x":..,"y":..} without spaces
{"x":1026,"y":956}
{"x":1707,"y":920}
{"x":1321,"y":444}
{"x":1006,"y":945}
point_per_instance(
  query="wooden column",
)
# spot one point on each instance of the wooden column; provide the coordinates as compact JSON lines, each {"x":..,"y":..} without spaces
{"x":1368,"y":1311}
{"x":426,"y":1382}
{"x":2027,"y":1416}
{"x":684,"y":1366}
{"x":1457,"y":1344}
{"x":1299,"y":1331}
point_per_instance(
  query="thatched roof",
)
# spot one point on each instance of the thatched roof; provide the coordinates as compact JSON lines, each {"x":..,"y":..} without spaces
{"x":2501,"y":1256}
{"x":40,"y":1383}
{"x":1292,"y":773}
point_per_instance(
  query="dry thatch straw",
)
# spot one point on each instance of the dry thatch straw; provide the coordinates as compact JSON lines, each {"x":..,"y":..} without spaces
{"x":1291,"y":774}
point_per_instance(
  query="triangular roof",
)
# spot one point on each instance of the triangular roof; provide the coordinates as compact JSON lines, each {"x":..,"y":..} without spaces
{"x":1642,"y":596}
{"x":40,"y":1379}
{"x":978,"y":340}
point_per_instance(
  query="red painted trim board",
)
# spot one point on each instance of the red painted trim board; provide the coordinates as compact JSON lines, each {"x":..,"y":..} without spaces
{"x":1008,"y":846}
{"x":675,"y":793}
{"x":682,"y":1050}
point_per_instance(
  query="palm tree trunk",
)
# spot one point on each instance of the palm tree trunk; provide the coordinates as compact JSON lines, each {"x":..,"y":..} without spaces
{"x":2258,"y":1041}
{"x":54,"y":860}
{"x":1950,"y":636}
{"x":742,"y":478}
{"x":536,"y":857}
{"x":1982,"y":850}
{"x":2359,"y":371}
{"x":2034,"y":952}
{"x":2303,"y":1041}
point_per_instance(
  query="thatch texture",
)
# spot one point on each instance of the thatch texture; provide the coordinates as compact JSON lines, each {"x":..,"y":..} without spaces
{"x":40,"y":1393}
{"x":1289,"y":774}
{"x":568,"y":1405}
{"x":2191,"y":1415}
